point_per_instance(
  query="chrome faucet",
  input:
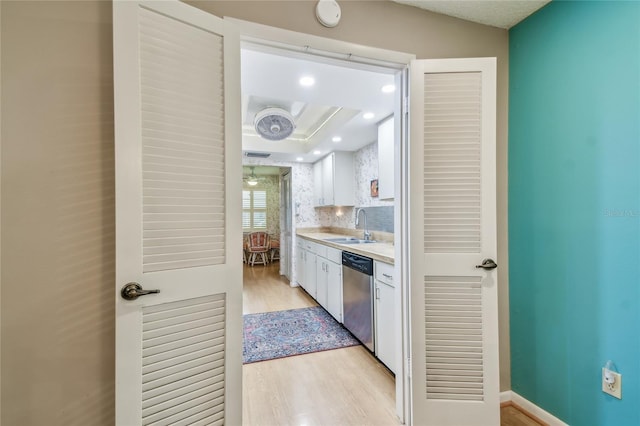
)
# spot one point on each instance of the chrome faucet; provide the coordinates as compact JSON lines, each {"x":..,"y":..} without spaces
{"x":367,"y":234}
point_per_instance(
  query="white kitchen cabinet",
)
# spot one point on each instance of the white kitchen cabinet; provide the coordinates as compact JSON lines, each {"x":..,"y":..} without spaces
{"x":385,"y":314}
{"x":300,"y":267}
{"x":386,"y":158}
{"x":334,"y":290}
{"x":334,"y":180}
{"x":329,"y":281}
{"x":322,"y":280}
{"x":309,"y":260}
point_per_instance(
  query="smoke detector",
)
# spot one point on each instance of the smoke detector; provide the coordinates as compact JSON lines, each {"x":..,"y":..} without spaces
{"x":274,"y":124}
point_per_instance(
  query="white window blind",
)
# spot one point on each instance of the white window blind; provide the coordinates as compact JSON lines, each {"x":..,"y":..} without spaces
{"x":254,"y":210}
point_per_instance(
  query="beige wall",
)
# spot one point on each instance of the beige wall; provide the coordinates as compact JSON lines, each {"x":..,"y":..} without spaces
{"x":57,"y":185}
{"x":57,"y":214}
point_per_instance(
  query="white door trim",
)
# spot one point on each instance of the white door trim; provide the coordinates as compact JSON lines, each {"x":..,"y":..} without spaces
{"x":381,"y":60}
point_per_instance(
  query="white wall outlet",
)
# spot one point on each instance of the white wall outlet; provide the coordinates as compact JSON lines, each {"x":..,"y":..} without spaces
{"x":612,"y":383}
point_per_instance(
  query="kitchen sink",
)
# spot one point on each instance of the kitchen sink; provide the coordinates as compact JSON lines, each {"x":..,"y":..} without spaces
{"x":351,"y":240}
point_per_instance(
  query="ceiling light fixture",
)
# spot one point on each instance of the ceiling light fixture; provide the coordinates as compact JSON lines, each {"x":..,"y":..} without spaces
{"x":307,"y":81}
{"x":317,"y":152}
{"x":368,"y":115}
{"x":336,"y":139}
{"x":252,"y":179}
{"x":388,"y":88}
{"x":299,"y":159}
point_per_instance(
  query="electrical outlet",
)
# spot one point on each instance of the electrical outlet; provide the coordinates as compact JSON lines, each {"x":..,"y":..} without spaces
{"x":612,"y":383}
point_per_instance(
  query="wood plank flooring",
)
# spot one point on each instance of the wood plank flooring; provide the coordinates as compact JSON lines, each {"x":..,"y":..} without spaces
{"x":338,"y":387}
{"x":512,"y":416}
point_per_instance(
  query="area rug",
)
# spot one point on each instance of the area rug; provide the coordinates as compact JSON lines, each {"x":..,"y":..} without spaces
{"x":280,"y":334}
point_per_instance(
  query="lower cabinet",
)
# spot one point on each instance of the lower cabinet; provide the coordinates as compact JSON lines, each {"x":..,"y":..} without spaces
{"x":322,"y":281}
{"x":329,"y":285}
{"x":310,"y":283}
{"x":300,"y":266}
{"x":385,"y":315}
{"x":334,"y":290}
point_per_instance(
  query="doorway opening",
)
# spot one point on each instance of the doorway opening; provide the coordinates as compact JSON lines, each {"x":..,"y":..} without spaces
{"x":338,"y":108}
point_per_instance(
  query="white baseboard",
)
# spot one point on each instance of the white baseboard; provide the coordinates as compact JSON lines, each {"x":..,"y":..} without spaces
{"x":530,"y":407}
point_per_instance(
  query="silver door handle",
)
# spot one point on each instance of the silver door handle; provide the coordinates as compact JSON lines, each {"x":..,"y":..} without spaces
{"x":132,"y":291}
{"x":487,"y":264}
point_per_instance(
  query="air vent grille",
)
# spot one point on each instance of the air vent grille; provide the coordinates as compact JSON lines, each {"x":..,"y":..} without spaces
{"x":257,"y":154}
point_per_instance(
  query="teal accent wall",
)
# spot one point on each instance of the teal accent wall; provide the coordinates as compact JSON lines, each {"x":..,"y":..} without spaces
{"x":574,"y":209}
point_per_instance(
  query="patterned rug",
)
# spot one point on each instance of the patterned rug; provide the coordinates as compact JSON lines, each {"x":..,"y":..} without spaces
{"x":280,"y":334}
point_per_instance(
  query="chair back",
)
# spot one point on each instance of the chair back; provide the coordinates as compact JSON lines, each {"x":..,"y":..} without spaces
{"x":258,"y":240}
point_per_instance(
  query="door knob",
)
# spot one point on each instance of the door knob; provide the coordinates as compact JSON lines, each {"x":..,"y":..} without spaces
{"x":487,"y":264}
{"x":132,"y":291}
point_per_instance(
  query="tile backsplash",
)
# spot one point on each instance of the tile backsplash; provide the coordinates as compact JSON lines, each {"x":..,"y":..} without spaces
{"x":378,"y":218}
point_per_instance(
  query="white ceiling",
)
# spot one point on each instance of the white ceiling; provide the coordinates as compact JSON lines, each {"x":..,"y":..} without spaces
{"x":333,"y":106}
{"x":496,"y":13}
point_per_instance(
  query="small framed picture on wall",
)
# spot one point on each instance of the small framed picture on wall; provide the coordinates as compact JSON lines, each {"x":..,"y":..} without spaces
{"x":374,"y":188}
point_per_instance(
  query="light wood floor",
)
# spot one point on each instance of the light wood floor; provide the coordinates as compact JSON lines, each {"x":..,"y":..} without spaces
{"x":338,"y":387}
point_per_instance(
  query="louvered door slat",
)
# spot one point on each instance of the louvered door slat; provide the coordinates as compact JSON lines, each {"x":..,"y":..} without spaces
{"x":181,"y":372}
{"x":453,"y":311}
{"x":181,"y":133}
{"x":193,"y":364}
{"x":452,"y":136}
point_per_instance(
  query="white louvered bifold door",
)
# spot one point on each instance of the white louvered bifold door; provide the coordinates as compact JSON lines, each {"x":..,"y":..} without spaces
{"x":178,"y":209}
{"x":454,"y":316}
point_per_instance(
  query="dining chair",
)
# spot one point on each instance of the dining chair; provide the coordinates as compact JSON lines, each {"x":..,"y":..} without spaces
{"x":258,"y":248}
{"x":274,"y":244}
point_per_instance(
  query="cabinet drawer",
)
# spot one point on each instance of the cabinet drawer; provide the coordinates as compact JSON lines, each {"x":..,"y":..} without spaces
{"x":321,"y":250}
{"x":314,"y":248}
{"x":384,"y":272}
{"x":334,"y":255}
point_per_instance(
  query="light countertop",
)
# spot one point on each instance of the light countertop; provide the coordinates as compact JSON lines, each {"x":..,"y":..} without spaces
{"x":381,"y":251}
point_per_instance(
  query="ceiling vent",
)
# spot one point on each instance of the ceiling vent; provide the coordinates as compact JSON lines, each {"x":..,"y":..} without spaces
{"x":257,"y":154}
{"x":274,"y":124}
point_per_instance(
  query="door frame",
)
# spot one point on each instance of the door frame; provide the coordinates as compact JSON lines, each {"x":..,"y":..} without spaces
{"x":285,"y":194}
{"x":392,"y":62}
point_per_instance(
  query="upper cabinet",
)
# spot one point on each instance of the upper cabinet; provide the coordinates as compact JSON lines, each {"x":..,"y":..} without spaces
{"x":334,"y":180}
{"x":386,"y":159}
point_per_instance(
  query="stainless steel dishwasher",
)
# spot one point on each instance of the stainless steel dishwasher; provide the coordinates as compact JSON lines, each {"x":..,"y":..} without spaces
{"x":357,"y":297}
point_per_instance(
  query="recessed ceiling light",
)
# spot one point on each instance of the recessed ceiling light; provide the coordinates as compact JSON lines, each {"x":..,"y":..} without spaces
{"x":299,"y":159}
{"x":317,"y":152}
{"x":388,"y":88}
{"x":307,"y":81}
{"x":368,"y":115}
{"x":336,"y":139}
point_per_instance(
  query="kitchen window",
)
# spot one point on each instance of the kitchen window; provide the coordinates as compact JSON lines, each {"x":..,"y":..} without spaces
{"x":254,"y":210}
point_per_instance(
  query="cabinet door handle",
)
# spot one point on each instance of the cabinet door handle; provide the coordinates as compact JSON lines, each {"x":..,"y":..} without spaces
{"x":387,"y":276}
{"x":378,"y":293}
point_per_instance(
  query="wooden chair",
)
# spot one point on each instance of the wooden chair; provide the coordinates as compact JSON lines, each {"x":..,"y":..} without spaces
{"x":274,"y":243}
{"x":258,"y":248}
